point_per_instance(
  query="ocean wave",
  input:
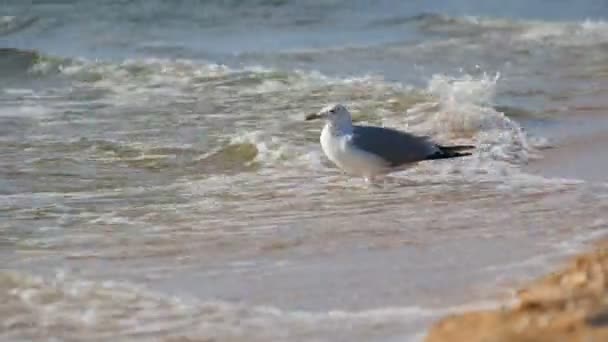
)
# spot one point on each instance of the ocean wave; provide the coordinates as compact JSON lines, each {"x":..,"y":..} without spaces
{"x":584,"y":33}
{"x":461,"y":109}
{"x":12,"y":24}
{"x":254,"y":115}
{"x":453,"y":110}
{"x":65,"y":307}
{"x":587,"y":32}
{"x":15,"y":61}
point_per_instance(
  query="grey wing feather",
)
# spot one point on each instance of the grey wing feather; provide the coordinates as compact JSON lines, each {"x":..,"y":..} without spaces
{"x":395,"y":147}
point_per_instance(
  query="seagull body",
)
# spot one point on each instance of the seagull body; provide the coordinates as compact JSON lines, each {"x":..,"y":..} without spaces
{"x":370,"y":151}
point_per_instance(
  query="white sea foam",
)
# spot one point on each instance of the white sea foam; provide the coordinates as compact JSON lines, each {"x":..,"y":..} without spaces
{"x":452,"y":109}
{"x":461,"y":110}
{"x":564,"y":33}
{"x":89,"y":310}
{"x":10,"y":24}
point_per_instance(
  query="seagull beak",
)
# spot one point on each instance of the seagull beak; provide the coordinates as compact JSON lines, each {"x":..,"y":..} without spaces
{"x":312,"y":116}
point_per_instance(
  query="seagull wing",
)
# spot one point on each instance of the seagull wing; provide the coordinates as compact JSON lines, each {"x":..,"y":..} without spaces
{"x":393,"y":146}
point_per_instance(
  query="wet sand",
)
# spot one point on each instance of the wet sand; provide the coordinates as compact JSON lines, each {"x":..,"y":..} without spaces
{"x":586,"y":159}
{"x":578,"y":148}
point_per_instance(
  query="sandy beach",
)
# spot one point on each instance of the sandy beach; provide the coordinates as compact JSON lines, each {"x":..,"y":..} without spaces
{"x":568,"y":304}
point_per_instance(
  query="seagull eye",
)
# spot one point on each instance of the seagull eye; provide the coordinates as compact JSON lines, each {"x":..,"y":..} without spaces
{"x":332,"y":111}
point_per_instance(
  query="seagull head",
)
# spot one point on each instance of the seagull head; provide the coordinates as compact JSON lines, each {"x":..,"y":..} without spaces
{"x":335,"y":114}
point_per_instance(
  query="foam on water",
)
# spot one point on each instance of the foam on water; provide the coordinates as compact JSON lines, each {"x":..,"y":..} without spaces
{"x":564,"y":33}
{"x":581,"y":34}
{"x":11,"y":24}
{"x":271,"y":106}
{"x":72,"y":309}
{"x":461,"y":110}
{"x":241,"y":120}
{"x":269,"y":148}
{"x":67,"y":308}
{"x":454,"y":110}
{"x":465,"y":108}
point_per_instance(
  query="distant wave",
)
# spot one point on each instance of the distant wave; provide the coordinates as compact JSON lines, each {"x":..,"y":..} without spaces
{"x":585,"y":32}
{"x":15,"y":61}
{"x":11,"y":24}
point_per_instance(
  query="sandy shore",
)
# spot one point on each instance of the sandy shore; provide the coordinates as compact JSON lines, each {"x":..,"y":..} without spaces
{"x":578,"y":149}
{"x":568,"y":305}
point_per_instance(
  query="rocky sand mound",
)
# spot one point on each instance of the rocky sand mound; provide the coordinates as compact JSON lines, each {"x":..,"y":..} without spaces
{"x":568,"y":305}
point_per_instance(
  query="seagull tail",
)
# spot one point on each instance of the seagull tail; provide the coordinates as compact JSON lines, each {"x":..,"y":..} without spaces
{"x":454,"y":151}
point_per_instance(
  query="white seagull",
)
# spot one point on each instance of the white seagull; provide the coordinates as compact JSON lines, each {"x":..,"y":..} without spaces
{"x":370,"y":151}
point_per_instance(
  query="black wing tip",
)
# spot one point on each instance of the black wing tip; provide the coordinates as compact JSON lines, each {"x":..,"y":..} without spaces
{"x":446,"y":152}
{"x":441,"y":155}
{"x":455,"y":148}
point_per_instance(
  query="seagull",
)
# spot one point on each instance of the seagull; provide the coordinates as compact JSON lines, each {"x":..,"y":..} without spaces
{"x":371,"y":151}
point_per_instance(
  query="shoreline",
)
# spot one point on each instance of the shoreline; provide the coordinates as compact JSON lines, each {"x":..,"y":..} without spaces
{"x":569,"y":304}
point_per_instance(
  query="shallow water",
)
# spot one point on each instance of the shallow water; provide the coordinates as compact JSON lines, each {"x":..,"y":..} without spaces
{"x":158,"y":180}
